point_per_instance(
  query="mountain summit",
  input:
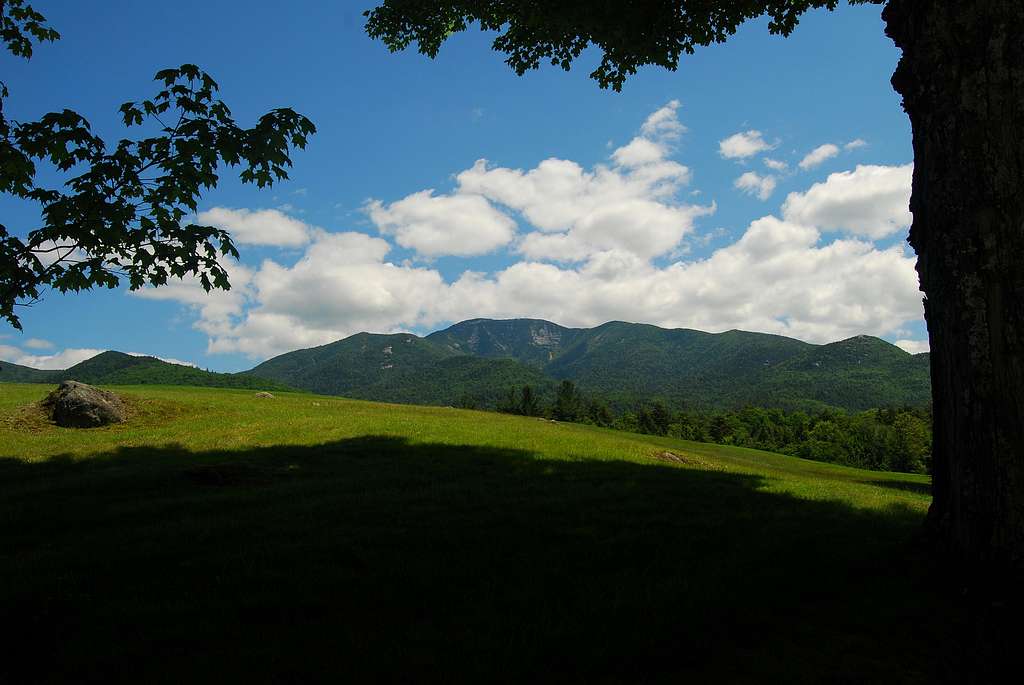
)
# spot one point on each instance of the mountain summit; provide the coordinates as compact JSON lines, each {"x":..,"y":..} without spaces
{"x":624,"y":363}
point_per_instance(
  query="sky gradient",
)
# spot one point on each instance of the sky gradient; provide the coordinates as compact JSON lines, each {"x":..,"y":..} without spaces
{"x":762,"y":186}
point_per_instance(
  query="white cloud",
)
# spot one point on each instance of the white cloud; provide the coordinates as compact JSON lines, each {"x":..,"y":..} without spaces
{"x":819,"y":155}
{"x":663,"y":123}
{"x":642,"y":228}
{"x":913,"y":346}
{"x":259,"y":227}
{"x":61,"y":360}
{"x":557,"y":194}
{"x":37,"y":344}
{"x":752,"y":183}
{"x":217,"y":309}
{"x":341,"y":285}
{"x":776,"y":165}
{"x":638,"y":152}
{"x":743,"y":145}
{"x":65,"y":358}
{"x":776,"y":278}
{"x":630,"y":205}
{"x":855,"y":144}
{"x":590,"y":246}
{"x":461,"y":224}
{"x":871,"y":201}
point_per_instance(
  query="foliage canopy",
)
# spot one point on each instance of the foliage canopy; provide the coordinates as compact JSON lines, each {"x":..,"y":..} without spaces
{"x":124,"y":212}
{"x":629,"y":35}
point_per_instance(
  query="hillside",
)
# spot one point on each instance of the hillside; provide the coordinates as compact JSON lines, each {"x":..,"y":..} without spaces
{"x":399,"y":368}
{"x":13,"y":373}
{"x":683,"y":367}
{"x":314,"y":539}
{"x":626,"y":363}
{"x":118,"y":368}
{"x":857,"y":373}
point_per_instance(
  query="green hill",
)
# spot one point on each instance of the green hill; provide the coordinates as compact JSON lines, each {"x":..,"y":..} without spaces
{"x":118,"y":368}
{"x":315,"y":539}
{"x":858,"y":373}
{"x":13,"y":373}
{"x":626,"y":363}
{"x":398,"y":368}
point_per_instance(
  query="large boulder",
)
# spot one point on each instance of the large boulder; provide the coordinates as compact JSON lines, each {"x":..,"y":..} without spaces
{"x":77,"y":405}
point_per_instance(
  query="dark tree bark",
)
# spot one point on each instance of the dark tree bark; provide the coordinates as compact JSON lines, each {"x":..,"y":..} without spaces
{"x":962,"y":81}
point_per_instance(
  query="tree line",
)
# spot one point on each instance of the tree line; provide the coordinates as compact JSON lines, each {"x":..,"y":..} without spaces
{"x":884,"y":439}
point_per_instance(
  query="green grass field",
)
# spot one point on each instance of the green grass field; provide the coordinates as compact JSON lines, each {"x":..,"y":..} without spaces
{"x":305,"y":538}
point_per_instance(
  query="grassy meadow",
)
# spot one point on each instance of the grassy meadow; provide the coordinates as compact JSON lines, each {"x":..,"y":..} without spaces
{"x":218,"y":536}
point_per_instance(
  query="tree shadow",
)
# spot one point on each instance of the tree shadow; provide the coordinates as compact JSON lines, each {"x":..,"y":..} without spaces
{"x":385,"y":560}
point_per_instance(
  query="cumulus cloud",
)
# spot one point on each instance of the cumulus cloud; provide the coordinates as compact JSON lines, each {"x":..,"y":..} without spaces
{"x":65,"y":358}
{"x":855,"y":144}
{"x":753,"y":183}
{"x":37,"y":344}
{"x":913,"y":346}
{"x":638,"y":152}
{"x":259,"y":227}
{"x":871,"y":201}
{"x":217,"y":310}
{"x":9,"y":352}
{"x":341,"y":285}
{"x":60,"y":360}
{"x":594,"y":244}
{"x":630,"y":205}
{"x":463,"y":224}
{"x":743,"y":145}
{"x":776,"y":165}
{"x":663,"y":123}
{"x":819,"y":155}
{"x":776,"y":278}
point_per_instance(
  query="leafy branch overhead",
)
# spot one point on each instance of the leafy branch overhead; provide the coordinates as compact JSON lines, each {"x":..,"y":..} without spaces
{"x":123,"y":213}
{"x":629,"y":35}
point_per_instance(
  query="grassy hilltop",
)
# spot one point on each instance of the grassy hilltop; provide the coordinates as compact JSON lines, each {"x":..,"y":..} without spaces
{"x":217,"y":535}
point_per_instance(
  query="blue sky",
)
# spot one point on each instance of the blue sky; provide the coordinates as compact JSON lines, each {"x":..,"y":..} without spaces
{"x":662,"y":203}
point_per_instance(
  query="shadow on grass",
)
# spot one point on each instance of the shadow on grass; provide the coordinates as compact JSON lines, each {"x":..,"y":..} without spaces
{"x":379,"y":559}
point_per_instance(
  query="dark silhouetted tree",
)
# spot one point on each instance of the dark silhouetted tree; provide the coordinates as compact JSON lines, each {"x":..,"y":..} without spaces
{"x":567,"y":403}
{"x":598,"y":413}
{"x":961,"y":76}
{"x":528,"y":405}
{"x":122,"y":214}
{"x":508,"y":403}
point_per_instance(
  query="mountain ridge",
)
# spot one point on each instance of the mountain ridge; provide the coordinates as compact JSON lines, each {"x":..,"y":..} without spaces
{"x":623,"y":363}
{"x":475,"y":362}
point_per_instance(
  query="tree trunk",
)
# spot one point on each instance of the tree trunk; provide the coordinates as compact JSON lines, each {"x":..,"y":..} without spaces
{"x":962,"y":81}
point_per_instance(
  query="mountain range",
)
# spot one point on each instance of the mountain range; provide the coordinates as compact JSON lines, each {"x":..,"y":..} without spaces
{"x":476,"y":362}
